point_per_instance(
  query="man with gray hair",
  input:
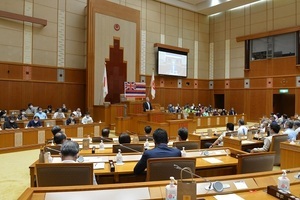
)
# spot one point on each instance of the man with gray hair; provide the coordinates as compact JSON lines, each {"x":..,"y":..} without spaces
{"x":69,"y":153}
{"x":289,"y":130}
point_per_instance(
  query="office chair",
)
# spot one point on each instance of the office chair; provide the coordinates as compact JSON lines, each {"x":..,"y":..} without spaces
{"x":255,"y":162}
{"x":275,"y":146}
{"x":64,"y":174}
{"x":192,"y":144}
{"x":162,"y":168}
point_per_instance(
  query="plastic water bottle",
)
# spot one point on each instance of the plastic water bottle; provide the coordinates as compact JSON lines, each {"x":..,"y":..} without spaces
{"x":119,"y":157}
{"x":171,"y":190}
{"x":101,"y":145}
{"x":146,"y":145}
{"x":183,"y":152}
{"x":284,"y":182}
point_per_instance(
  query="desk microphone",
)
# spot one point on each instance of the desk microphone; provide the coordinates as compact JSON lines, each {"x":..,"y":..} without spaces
{"x":217,"y":186}
{"x":58,"y":151}
{"x":131,"y":149}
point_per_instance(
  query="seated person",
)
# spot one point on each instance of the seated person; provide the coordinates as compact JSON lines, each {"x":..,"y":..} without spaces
{"x":71,"y":120}
{"x":22,"y":115}
{"x":49,"y":109}
{"x":289,"y":130}
{"x":182,"y":134}
{"x":147,"y":135}
{"x":64,"y":108}
{"x":87,"y":119}
{"x":297,"y":128}
{"x":161,"y":150}
{"x":77,"y":112}
{"x":55,"y":129}
{"x":104,"y":137}
{"x":35,"y":122}
{"x":242,"y":130}
{"x":59,"y":138}
{"x":40,"y":113}
{"x":274,"y":129}
{"x":30,"y":109}
{"x":219,"y":141}
{"x":11,"y":123}
{"x":124,"y":138}
{"x":69,"y":153}
{"x":58,"y":114}
{"x":3,"y":115}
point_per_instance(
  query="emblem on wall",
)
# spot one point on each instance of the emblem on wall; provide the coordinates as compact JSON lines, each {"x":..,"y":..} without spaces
{"x":117,"y":27}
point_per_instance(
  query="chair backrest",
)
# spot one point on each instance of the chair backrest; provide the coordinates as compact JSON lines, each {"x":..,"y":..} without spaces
{"x":275,"y":146}
{"x":192,"y":144}
{"x":64,"y":174}
{"x":98,"y":139}
{"x":54,"y":150}
{"x":255,"y":162}
{"x":143,"y":138}
{"x":130,"y":148}
{"x":163,"y":168}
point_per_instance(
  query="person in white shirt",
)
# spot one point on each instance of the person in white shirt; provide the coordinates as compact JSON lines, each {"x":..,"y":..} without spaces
{"x":87,"y":119}
{"x":297,"y":128}
{"x":59,"y":114}
{"x":274,"y":129}
{"x":69,"y":153}
{"x":219,"y":141}
{"x":289,"y":130}
{"x":77,"y":112}
{"x":242,"y":130}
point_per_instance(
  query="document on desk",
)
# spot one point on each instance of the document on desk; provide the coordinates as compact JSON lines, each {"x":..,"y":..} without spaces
{"x":228,"y":197}
{"x":132,"y":157}
{"x":240,"y":185}
{"x":95,"y":159}
{"x":212,"y":160}
{"x":114,"y":194}
{"x":99,"y":165}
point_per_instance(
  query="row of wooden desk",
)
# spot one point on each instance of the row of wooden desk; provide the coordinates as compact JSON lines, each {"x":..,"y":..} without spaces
{"x":254,"y":187}
{"x":217,"y":163}
{"x":28,"y":138}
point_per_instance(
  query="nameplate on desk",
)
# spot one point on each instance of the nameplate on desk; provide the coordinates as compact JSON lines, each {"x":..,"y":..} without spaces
{"x":247,"y":142}
{"x":212,"y":160}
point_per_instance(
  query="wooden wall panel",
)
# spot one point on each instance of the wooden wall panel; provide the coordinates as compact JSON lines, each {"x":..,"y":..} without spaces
{"x":188,"y":96}
{"x":237,"y":100}
{"x":219,"y":84}
{"x":43,"y":88}
{"x":258,"y":83}
{"x":284,"y":66}
{"x":75,"y":76}
{"x":236,"y":83}
{"x":257,"y":68}
{"x":283,"y":82}
{"x":257,"y":102}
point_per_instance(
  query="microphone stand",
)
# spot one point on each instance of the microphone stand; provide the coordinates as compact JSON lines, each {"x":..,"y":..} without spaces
{"x":129,"y":148}
{"x":58,"y":151}
{"x":210,"y":187}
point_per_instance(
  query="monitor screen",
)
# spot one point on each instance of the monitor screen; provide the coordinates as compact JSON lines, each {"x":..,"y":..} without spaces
{"x":172,"y":63}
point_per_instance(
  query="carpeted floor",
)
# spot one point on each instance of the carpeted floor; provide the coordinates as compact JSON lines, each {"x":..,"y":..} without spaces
{"x":15,"y":173}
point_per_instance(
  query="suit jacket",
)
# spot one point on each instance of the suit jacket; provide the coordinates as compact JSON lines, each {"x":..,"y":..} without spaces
{"x":146,"y":107}
{"x":160,"y":151}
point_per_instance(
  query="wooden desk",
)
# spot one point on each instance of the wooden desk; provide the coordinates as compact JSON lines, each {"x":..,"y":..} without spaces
{"x":30,"y":138}
{"x":203,"y":137}
{"x":124,"y":173}
{"x":289,"y":155}
{"x":235,"y":143}
{"x":256,"y":183}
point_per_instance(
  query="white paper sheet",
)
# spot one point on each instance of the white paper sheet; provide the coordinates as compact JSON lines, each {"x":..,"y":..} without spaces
{"x":247,"y":142}
{"x":99,"y":165}
{"x":212,"y":160}
{"x":228,"y":197}
{"x":240,"y":185}
{"x":116,"y":194}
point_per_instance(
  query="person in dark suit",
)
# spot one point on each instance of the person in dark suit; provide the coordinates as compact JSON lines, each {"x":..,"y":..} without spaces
{"x":147,"y":105}
{"x":161,"y":150}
